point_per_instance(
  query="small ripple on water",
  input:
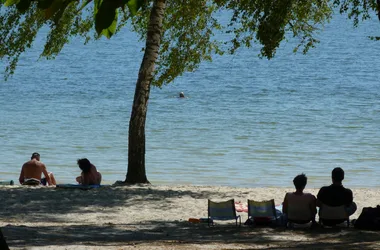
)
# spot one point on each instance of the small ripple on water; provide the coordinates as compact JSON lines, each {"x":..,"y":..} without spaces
{"x":103,"y":147}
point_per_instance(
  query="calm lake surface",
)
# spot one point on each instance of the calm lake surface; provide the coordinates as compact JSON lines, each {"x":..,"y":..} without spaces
{"x":246,"y":121}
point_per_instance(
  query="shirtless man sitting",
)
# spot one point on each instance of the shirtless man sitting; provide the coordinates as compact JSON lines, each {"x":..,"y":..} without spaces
{"x":31,"y":172}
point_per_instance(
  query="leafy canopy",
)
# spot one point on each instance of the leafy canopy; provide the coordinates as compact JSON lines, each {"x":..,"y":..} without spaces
{"x":189,"y":26}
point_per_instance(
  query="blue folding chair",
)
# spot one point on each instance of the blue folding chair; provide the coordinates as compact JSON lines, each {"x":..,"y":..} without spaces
{"x":222,"y":211}
{"x":262,"y":212}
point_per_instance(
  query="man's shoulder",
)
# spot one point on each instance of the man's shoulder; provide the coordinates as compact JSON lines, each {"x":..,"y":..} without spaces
{"x":41,"y":164}
{"x":323,"y":192}
{"x":309,"y":195}
{"x":34,"y":164}
{"x":347,"y":190}
{"x":27,"y":162}
{"x":324,"y":188}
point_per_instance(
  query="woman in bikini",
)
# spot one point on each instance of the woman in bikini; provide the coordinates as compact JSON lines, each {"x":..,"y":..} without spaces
{"x":89,"y":175}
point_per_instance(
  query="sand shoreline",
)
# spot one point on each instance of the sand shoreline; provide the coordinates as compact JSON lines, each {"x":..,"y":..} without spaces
{"x":150,"y":217}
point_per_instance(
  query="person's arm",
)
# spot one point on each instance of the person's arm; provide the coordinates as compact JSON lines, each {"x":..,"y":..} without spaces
{"x":79,"y":179}
{"x":319,"y":198}
{"x":350,"y":197}
{"x":85,"y":180}
{"x":285,"y":205}
{"x":313,"y":205}
{"x":318,"y":203}
{"x":21,"y":179}
{"x":46,"y":174}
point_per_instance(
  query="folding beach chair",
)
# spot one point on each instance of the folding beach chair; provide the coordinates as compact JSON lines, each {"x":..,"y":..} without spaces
{"x":262,"y":212}
{"x":333,"y":216}
{"x":222,"y":211}
{"x":299,"y":215}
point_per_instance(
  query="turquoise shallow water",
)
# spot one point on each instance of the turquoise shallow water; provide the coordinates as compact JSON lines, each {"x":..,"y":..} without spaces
{"x":245,"y":122}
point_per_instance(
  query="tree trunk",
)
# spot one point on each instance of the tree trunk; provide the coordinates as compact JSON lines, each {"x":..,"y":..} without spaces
{"x":136,"y":145}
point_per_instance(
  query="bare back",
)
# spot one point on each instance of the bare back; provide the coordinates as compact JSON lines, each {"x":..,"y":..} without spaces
{"x":300,"y":206}
{"x":92,"y":177}
{"x":32,"y":169}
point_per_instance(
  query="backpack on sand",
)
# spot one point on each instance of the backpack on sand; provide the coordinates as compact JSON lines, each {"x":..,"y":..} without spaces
{"x":369,"y":219}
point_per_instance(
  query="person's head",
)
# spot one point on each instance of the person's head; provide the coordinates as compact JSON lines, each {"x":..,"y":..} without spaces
{"x":300,"y":181}
{"x":337,"y":175}
{"x":181,"y":94}
{"x":36,"y":156}
{"x":84,"y":164}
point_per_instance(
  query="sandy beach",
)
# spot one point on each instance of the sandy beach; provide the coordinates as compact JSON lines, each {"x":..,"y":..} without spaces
{"x":156,"y":217}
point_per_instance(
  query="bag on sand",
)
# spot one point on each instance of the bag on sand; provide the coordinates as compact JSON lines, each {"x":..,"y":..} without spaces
{"x":369,"y":219}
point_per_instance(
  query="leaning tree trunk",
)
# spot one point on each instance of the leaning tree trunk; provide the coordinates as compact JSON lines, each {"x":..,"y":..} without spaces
{"x":136,"y":145}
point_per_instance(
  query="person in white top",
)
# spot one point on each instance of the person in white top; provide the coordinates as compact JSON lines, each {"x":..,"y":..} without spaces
{"x":298,"y":206}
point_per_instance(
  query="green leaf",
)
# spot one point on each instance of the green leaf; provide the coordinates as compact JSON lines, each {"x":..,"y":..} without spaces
{"x":54,"y":7}
{"x":11,"y":2}
{"x":135,"y":5}
{"x":97,"y":4}
{"x":105,"y":17}
{"x":112,"y":28}
{"x":23,"y":5}
{"x":59,"y":13}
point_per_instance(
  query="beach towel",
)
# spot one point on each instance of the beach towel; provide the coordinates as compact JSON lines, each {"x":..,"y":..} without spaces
{"x":10,"y":182}
{"x":78,"y":186}
{"x":241,"y":207}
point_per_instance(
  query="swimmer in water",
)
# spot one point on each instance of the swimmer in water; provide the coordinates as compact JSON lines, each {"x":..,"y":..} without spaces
{"x":181,"y":95}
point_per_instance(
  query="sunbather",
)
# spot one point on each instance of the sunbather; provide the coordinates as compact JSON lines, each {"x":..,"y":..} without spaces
{"x":89,"y":175}
{"x":32,"y":170}
{"x":298,"y":206}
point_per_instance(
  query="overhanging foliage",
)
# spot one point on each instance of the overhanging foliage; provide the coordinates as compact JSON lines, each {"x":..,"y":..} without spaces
{"x":189,"y":26}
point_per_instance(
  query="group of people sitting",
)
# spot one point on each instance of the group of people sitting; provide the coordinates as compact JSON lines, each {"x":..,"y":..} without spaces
{"x":31,"y":173}
{"x":300,"y":207}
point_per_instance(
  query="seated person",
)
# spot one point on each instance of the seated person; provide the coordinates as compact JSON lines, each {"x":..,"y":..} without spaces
{"x":300,"y":207}
{"x":32,"y":170}
{"x":89,"y":175}
{"x":336,"y":195}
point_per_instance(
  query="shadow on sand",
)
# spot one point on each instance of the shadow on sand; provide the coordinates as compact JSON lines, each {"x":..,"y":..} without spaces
{"x":182,"y":233}
{"x":24,"y":206}
{"x":46,"y":203}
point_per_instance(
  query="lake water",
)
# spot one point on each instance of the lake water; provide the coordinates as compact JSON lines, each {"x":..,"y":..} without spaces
{"x":245,"y":122}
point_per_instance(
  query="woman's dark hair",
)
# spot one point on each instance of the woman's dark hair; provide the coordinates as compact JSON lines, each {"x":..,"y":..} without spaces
{"x":84,"y":164}
{"x":300,"y":181}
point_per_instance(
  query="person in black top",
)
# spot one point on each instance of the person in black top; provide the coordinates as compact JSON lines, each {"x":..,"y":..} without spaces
{"x":336,"y":195}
